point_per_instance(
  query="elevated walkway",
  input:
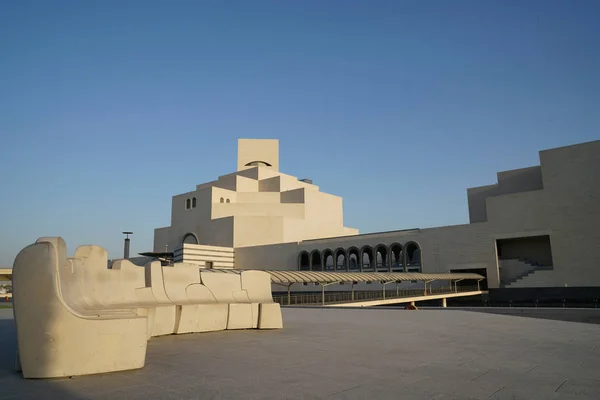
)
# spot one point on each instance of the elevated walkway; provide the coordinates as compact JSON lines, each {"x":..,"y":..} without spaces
{"x":409,"y":299}
{"x":377,"y":297}
{"x":324,"y":279}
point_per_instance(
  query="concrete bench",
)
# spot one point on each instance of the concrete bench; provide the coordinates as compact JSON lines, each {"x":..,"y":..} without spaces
{"x":74,"y":316}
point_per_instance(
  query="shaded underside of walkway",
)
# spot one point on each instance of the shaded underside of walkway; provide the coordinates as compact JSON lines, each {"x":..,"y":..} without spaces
{"x":284,"y":277}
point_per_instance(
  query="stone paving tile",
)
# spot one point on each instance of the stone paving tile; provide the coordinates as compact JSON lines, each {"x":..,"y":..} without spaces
{"x":146,"y":392}
{"x":256,"y":393}
{"x":288,"y":385}
{"x":581,"y":386}
{"x":381,"y":392}
{"x":348,"y":354}
{"x":517,"y":366}
{"x":435,"y":386}
{"x":532,"y":393}
{"x":451,"y":372}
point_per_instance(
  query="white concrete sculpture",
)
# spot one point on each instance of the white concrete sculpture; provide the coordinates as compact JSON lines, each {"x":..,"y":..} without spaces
{"x":74,"y":316}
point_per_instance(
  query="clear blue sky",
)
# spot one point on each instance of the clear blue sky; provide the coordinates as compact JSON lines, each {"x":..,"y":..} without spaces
{"x":108,"y":108}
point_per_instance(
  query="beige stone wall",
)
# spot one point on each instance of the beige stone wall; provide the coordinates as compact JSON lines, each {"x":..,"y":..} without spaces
{"x":217,"y":232}
{"x":513,"y":181}
{"x":228,"y":182}
{"x":324,"y":215}
{"x":572,"y":182}
{"x":442,"y":249}
{"x":270,"y":185}
{"x":273,"y":217}
{"x":161,"y":239}
{"x":565,"y":206}
{"x":185,"y":220}
{"x":281,"y":256}
{"x":246,"y":184}
{"x":293,"y":196}
{"x":197,"y":220}
{"x":521,"y":180}
{"x":259,"y":198}
{"x":258,"y":210}
{"x":225,"y":194}
{"x":518,"y":212}
{"x":350,"y":231}
{"x":266,"y":150}
{"x":253,"y":206}
{"x":258,"y":173}
{"x":219,"y":257}
{"x":476,"y":198}
{"x":254,"y":230}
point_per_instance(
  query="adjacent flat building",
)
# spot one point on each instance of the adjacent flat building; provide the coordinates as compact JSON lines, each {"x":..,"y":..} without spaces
{"x":534,"y":227}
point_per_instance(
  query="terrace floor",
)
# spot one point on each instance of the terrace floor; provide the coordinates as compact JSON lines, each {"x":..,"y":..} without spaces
{"x":348,"y":354}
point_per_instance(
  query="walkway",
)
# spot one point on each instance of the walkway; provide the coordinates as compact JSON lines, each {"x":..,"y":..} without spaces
{"x":410,"y":299}
{"x":353,"y":298}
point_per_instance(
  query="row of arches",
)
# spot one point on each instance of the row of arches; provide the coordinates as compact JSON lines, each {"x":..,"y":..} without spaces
{"x":190,"y":203}
{"x":381,"y":258}
{"x":223,"y":200}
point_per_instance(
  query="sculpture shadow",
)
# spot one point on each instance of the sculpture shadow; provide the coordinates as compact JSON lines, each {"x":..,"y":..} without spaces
{"x":8,"y":346}
{"x":12,"y":382}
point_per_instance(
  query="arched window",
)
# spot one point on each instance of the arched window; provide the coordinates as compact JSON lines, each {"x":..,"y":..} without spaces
{"x":188,"y":204}
{"x":413,"y":257}
{"x":315,"y":261}
{"x":353,"y":259}
{"x":222,"y":200}
{"x":368,"y":263}
{"x":397,"y":257}
{"x":189,"y":238}
{"x":258,"y":164}
{"x":194,"y":202}
{"x":340,"y":259}
{"x":328,"y":260}
{"x":227,"y":201}
{"x":303,"y":261}
{"x":381,"y":258}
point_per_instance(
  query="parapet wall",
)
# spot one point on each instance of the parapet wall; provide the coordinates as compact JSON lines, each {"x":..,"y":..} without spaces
{"x":205,"y":256}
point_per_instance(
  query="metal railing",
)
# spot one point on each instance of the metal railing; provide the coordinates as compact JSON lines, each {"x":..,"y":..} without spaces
{"x":355,"y":296}
{"x":535,"y":303}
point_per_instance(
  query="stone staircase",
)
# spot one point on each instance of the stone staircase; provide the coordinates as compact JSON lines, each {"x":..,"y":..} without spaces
{"x":513,"y":270}
{"x":537,"y":279}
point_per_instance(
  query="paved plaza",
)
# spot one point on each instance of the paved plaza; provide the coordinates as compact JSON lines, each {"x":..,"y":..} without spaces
{"x":348,"y":354}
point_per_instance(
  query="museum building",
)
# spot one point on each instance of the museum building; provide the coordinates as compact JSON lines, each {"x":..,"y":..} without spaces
{"x":534,"y":227}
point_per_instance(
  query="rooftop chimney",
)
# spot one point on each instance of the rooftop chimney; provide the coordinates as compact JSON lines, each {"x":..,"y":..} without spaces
{"x":127,"y":241}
